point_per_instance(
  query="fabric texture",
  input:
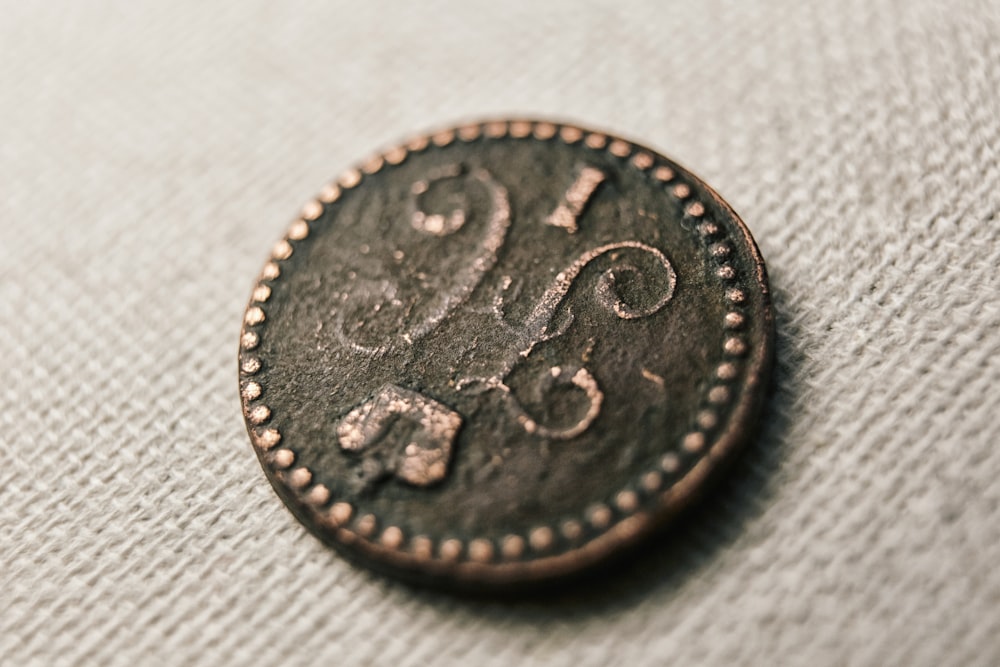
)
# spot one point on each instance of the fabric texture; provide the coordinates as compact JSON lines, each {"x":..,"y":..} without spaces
{"x":151,"y":153}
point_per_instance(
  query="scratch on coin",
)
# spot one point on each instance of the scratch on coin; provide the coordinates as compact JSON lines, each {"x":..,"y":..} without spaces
{"x":653,"y":377}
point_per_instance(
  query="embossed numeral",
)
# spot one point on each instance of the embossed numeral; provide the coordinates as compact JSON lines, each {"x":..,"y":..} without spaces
{"x":575,"y":199}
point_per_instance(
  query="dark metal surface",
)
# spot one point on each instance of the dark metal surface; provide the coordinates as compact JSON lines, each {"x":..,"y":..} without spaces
{"x":503,"y":353}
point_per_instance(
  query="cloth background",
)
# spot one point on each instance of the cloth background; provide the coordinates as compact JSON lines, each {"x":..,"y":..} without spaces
{"x":151,"y":153}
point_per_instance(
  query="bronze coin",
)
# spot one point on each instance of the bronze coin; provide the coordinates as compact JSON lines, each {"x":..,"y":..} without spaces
{"x":501,"y":354}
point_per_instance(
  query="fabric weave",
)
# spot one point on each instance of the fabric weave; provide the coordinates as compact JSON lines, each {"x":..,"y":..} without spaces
{"x":150,"y":154}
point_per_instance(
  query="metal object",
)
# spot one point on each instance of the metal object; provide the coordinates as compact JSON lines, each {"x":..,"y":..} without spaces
{"x":503,"y":353}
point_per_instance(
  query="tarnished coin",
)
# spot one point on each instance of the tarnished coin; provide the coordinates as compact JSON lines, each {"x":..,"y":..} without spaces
{"x":502,"y":353}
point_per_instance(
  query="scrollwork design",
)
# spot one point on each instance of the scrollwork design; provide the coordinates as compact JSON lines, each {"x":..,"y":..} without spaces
{"x":538,"y":327}
{"x":387,"y":302}
{"x":639,"y":282}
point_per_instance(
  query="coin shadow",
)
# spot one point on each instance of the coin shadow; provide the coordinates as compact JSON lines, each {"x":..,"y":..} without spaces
{"x":667,"y":563}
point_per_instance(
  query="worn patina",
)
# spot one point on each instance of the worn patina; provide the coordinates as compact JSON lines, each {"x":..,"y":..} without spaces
{"x":501,"y":354}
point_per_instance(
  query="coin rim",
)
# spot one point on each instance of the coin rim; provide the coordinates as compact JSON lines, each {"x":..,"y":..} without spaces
{"x":313,"y":504}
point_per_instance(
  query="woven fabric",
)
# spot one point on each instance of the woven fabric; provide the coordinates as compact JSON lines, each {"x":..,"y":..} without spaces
{"x":150,"y":154}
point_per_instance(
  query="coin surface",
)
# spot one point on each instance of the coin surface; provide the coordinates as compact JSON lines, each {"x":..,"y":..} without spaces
{"x":503,"y":353}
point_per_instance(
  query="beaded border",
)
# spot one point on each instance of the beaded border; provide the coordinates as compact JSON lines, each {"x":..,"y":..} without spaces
{"x":623,"y":518}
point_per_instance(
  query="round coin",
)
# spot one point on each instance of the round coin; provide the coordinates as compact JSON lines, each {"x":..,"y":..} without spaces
{"x":502,"y":353}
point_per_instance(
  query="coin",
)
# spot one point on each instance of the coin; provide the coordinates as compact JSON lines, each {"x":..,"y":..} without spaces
{"x":503,"y":353}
